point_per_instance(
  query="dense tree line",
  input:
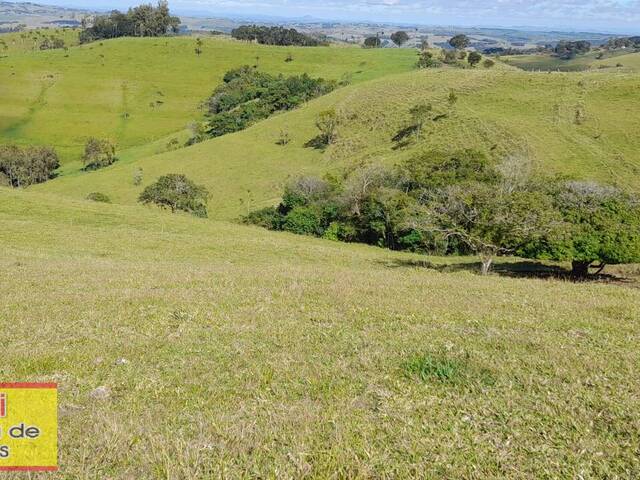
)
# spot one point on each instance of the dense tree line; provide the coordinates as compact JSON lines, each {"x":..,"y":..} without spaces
{"x":21,"y":167}
{"x":142,"y":21}
{"x":276,"y":36}
{"x":248,"y":95}
{"x":567,"y":50}
{"x":462,"y":203}
{"x":623,"y":42}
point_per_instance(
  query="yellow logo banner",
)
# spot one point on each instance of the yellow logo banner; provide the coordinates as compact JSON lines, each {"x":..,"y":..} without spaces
{"x":28,"y":427}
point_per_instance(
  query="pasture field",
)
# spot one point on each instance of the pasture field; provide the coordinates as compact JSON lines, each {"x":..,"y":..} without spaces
{"x":201,"y":348}
{"x":502,"y":112}
{"x":136,"y":91}
{"x":230,"y":351}
{"x":549,"y":63}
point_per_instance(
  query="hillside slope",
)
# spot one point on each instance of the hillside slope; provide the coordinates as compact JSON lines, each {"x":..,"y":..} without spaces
{"x":137,"y":90}
{"x":212,"y":339}
{"x":499,"y":111}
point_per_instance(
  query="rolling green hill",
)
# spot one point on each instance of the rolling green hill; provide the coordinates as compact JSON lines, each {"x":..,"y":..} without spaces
{"x":502,"y":112}
{"x":135,"y":91}
{"x":549,"y":63}
{"x":233,"y":351}
{"x":200,"y":348}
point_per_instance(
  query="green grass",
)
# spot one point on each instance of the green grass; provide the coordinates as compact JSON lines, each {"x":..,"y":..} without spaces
{"x":30,"y":40}
{"x":546,"y":62}
{"x":501,"y":112}
{"x":257,"y":354}
{"x":110,"y":89}
{"x":254,"y":354}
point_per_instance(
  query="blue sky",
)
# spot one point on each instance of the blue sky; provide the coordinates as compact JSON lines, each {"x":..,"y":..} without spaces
{"x":600,"y":15}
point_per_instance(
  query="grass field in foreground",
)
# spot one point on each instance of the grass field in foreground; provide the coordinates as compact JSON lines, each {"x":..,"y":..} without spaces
{"x":255,"y":354}
{"x":137,"y":90}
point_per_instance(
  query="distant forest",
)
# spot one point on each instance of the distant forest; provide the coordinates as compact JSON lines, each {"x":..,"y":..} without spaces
{"x":141,"y":21}
{"x":276,"y":36}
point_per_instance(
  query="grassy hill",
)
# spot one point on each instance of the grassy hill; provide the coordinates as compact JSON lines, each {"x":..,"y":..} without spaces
{"x":549,"y":63}
{"x":502,"y":112}
{"x":136,"y":91}
{"x":233,"y":351}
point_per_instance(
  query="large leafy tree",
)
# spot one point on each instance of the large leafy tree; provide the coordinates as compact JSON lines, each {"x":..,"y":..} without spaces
{"x":177,"y":192}
{"x":601,"y":226}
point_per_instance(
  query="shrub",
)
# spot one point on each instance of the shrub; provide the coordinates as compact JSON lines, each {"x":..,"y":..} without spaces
{"x":138,"y":176}
{"x":22,"y":167}
{"x":98,"y":197}
{"x":98,"y":154}
{"x":177,"y":192}
{"x":303,"y":221}
{"x":488,"y":63}
{"x":327,"y":123}
{"x":372,"y":42}
{"x":427,"y":60}
{"x":269,"y":218}
{"x":474,"y":58}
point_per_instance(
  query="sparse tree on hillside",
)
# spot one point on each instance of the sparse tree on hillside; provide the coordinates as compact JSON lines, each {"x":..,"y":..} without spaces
{"x":177,"y":192}
{"x":474,"y":58}
{"x":327,"y":123}
{"x":98,"y":153}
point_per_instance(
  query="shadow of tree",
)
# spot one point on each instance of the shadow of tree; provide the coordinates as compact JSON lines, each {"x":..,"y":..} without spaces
{"x":318,"y":143}
{"x":519,"y":269}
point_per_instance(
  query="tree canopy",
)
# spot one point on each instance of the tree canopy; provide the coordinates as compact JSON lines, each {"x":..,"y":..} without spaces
{"x":459,"y":42}
{"x":142,"y":21}
{"x":276,"y":36}
{"x":400,"y":38}
{"x":177,"y":192}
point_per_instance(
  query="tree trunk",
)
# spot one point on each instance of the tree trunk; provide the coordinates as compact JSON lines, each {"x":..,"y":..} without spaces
{"x":580,"y":269}
{"x":487,"y":261}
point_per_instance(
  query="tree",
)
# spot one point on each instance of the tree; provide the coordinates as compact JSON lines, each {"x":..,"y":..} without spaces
{"x":327,"y":123}
{"x":459,"y":42}
{"x":372,"y":42}
{"x":400,"y":38}
{"x":22,"y":167}
{"x":142,"y":21}
{"x":426,"y":60}
{"x":490,"y":222}
{"x":177,"y":192}
{"x":474,"y":58}
{"x":98,"y":153}
{"x":602,"y":226}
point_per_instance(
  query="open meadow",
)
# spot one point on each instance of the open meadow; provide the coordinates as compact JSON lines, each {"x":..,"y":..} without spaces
{"x":189,"y":347}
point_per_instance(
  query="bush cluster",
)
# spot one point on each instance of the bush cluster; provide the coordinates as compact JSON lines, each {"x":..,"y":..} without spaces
{"x":463,"y":203}
{"x":247,"y":96}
